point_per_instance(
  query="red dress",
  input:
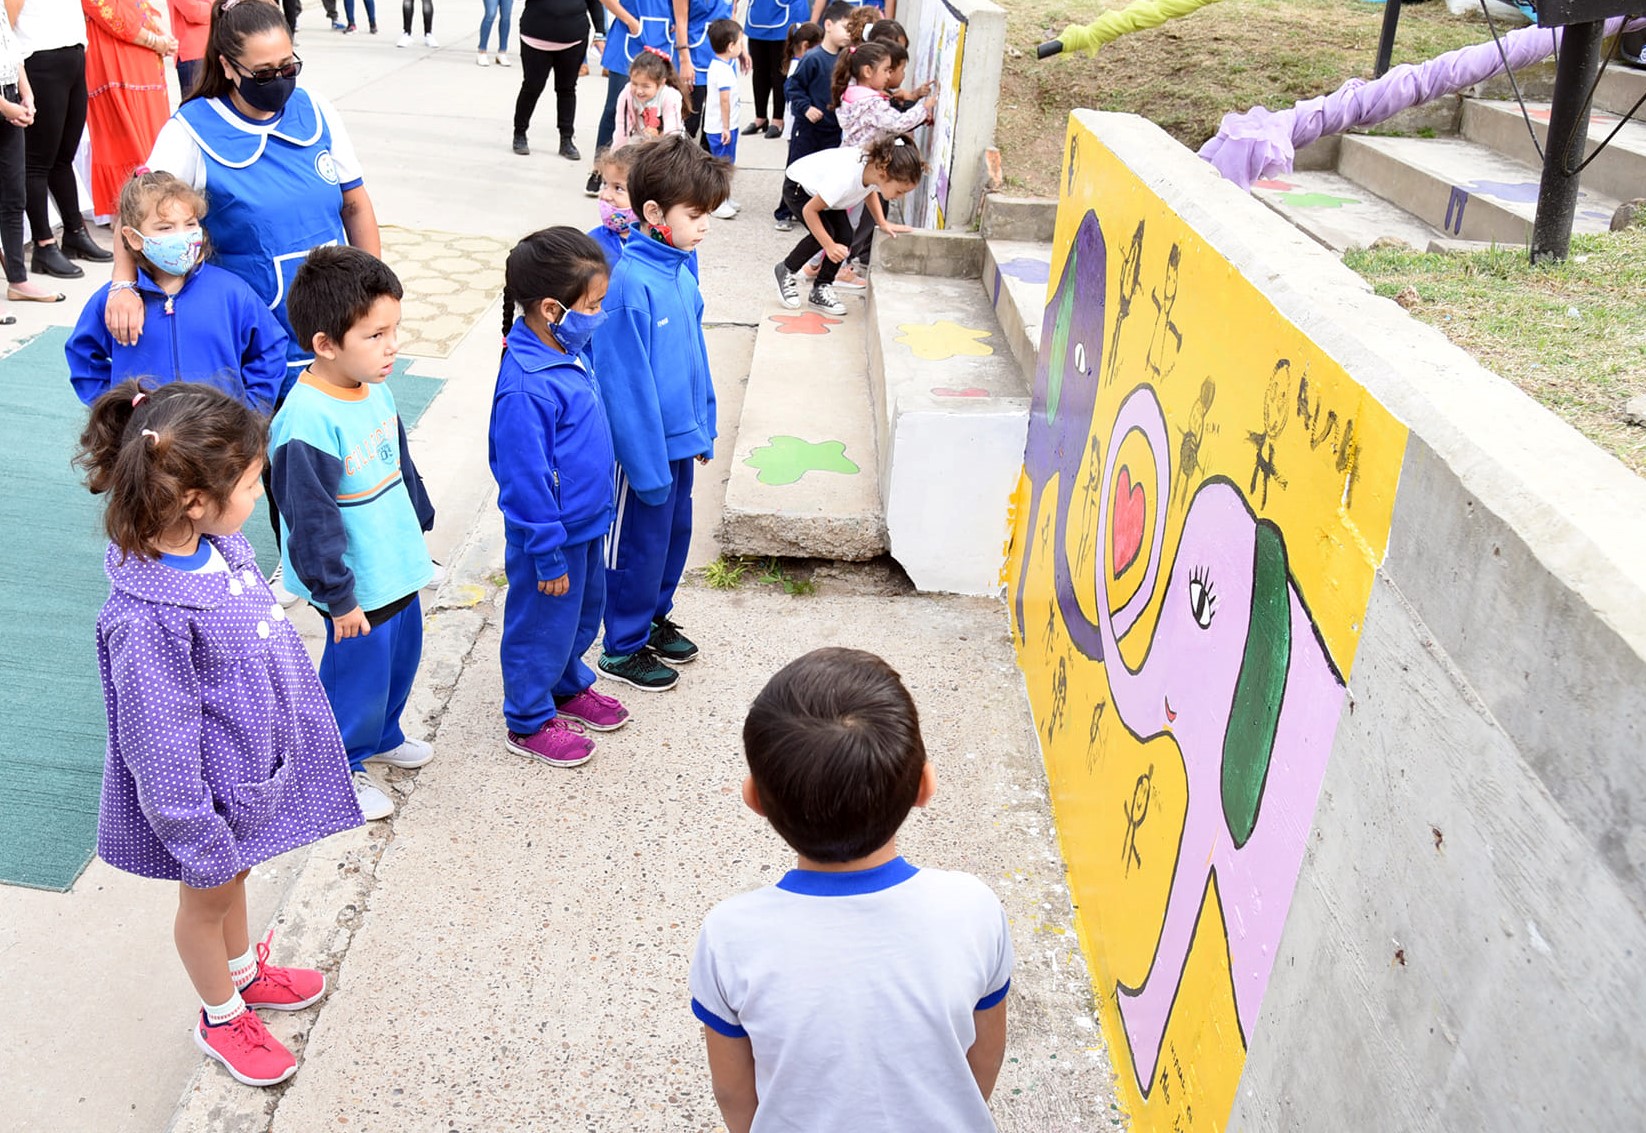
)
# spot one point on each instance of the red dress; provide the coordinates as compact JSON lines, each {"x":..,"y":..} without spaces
{"x":126,"y":88}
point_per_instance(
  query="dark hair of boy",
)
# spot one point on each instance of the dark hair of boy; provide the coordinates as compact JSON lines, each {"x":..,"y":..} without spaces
{"x":898,"y":156}
{"x":724,"y":33}
{"x":834,"y":749}
{"x":677,"y":171}
{"x":553,"y":263}
{"x":835,"y":12}
{"x":334,"y":289}
{"x":231,"y":25}
{"x":148,"y":450}
{"x":888,"y":31}
{"x":854,"y":61}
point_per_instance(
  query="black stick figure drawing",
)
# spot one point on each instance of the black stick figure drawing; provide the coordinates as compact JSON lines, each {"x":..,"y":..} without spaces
{"x":1088,"y":506}
{"x":1276,"y":406}
{"x":1188,"y":449}
{"x":1060,"y":699}
{"x":1092,"y":735}
{"x":1164,"y":300}
{"x":1136,"y":810}
{"x":1129,"y":283}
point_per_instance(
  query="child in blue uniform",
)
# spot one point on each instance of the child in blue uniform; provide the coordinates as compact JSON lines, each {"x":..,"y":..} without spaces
{"x":617,"y":219}
{"x":353,"y":509}
{"x":654,"y":376}
{"x":551,"y":454}
{"x":205,"y":325}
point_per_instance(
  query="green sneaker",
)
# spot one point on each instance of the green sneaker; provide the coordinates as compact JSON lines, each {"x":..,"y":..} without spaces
{"x":671,"y":646}
{"x":642,"y":669}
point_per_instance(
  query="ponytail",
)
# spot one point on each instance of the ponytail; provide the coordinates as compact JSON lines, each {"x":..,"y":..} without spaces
{"x":851,"y":65}
{"x":898,"y":157}
{"x":232,"y":23}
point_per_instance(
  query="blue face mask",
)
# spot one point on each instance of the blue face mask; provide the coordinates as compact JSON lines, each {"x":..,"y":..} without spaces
{"x":574,"y":329}
{"x":174,"y":253}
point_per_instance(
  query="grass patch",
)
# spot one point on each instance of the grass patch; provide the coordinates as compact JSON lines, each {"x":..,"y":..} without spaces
{"x":725,"y":573}
{"x":728,"y":572}
{"x":1517,"y":320}
{"x":1188,"y":73}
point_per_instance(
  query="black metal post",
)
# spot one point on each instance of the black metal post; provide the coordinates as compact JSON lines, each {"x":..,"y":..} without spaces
{"x":1386,"y":43}
{"x":1567,"y":140}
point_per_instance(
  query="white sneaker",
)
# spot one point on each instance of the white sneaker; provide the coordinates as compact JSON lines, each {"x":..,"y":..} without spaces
{"x":440,"y":574}
{"x":409,"y":755}
{"x":374,"y":804}
{"x":483,"y":59}
{"x":430,"y":41}
{"x":725,"y":212}
{"x":405,"y":40}
{"x":503,"y":59}
{"x":281,"y":594}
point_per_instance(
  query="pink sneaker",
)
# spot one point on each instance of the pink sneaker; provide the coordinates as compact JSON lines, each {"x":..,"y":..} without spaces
{"x":246,"y":1049}
{"x":559,"y":743}
{"x":282,"y":989}
{"x":595,"y":711}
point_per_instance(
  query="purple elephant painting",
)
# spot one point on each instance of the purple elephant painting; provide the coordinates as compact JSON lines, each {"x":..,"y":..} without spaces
{"x":1236,"y":673}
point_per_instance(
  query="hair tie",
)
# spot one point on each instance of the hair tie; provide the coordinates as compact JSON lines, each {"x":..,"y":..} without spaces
{"x":657,"y":51}
{"x":899,"y":142}
{"x":868,"y":30}
{"x":152,"y":435}
{"x":137,"y":398}
{"x":851,"y":51}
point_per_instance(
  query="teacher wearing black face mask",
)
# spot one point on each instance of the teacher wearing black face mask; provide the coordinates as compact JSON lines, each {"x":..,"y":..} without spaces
{"x":273,"y":159}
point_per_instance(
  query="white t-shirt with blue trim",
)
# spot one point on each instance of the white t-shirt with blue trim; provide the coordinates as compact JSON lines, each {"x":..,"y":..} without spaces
{"x":856,"y":991}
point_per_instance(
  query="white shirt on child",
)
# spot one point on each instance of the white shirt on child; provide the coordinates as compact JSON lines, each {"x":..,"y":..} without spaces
{"x":857,"y":992}
{"x":836,"y":175}
{"x":722,"y":76}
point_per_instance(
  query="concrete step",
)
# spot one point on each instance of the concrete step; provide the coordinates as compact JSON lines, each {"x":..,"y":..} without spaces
{"x":1464,"y":189}
{"x":1619,"y":171}
{"x":804,"y":478}
{"x":1620,"y":88}
{"x":951,"y":413}
{"x":1014,"y":275}
{"x":1339,"y":214}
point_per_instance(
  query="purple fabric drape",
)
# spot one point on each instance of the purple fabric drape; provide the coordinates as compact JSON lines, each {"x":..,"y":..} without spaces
{"x":1263,"y":143}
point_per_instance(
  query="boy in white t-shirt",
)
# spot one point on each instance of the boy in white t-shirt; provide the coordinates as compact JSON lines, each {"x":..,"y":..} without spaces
{"x":859,"y":994}
{"x":723,"y":109}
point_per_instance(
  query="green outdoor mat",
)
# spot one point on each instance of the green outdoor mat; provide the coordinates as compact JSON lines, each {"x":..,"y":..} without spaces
{"x":52,"y":732}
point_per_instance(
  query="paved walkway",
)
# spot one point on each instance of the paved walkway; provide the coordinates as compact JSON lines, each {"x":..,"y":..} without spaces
{"x":510,"y":952}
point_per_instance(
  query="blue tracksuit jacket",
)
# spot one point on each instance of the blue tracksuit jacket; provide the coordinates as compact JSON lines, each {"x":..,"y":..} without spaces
{"x":550,"y":450}
{"x":216,"y":332}
{"x":612,"y":244}
{"x":654,"y":366}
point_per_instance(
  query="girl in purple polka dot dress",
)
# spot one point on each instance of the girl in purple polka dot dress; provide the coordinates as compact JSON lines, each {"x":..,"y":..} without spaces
{"x":223,"y":751}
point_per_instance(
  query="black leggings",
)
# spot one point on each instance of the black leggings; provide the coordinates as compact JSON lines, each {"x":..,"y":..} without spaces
{"x":835,"y":222}
{"x":863,"y":237}
{"x":12,"y":179}
{"x":59,"y":80}
{"x":406,"y":15}
{"x":535,"y":66}
{"x":694,"y":121}
{"x":767,"y":57}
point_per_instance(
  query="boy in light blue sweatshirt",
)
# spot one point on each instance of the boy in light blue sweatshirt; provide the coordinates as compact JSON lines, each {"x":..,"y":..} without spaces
{"x":654,"y":376}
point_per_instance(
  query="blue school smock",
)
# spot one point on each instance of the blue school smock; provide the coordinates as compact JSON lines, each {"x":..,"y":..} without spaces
{"x":656,"y":30}
{"x":771,"y":19}
{"x":699,"y":16}
{"x":275,"y":197}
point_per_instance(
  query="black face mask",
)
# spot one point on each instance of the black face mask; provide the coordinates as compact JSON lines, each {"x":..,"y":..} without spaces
{"x":270,"y":97}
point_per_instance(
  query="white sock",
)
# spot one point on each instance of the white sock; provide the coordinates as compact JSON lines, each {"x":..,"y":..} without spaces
{"x":243,"y":969}
{"x":226,"y":1012}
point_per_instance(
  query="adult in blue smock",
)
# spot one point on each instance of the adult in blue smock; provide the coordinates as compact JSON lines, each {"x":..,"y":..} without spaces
{"x":274,"y":161}
{"x":766,"y":31}
{"x":700,"y":14}
{"x":633,"y":28}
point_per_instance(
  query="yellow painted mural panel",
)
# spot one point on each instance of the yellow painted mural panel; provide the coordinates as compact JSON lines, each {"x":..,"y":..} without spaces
{"x":1205,"y":500}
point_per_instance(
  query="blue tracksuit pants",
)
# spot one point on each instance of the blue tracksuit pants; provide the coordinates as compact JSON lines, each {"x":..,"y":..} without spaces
{"x":645,"y":555}
{"x":544,"y":638}
{"x":368,"y":678}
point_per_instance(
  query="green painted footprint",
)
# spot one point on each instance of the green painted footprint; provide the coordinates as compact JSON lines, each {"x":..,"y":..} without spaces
{"x":786,"y":459}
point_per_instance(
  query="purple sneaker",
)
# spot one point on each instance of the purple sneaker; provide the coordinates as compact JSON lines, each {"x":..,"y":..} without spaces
{"x":595,"y":711}
{"x":559,"y":743}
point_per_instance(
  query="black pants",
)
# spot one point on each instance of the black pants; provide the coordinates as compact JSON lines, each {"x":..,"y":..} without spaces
{"x":406,"y":15}
{"x":835,"y":222}
{"x":535,"y":66}
{"x":767,"y":57}
{"x":863,"y":237}
{"x":59,"y":81}
{"x":292,"y":9}
{"x":693,"y":122}
{"x":608,"y":117}
{"x":13,"y":194}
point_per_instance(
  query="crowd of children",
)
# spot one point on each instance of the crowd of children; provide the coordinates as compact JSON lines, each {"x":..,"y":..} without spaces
{"x":227,"y":746}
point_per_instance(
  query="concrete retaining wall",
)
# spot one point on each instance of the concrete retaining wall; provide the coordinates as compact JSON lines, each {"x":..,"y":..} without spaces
{"x":1369,"y":852}
{"x":958,"y":45}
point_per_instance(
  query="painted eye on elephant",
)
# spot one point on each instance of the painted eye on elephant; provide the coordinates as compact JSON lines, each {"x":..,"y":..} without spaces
{"x":1202,"y":602}
{"x":1080,"y":358}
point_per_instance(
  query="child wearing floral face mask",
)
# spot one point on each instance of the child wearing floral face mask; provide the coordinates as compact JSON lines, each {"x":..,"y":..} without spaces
{"x":204,"y":324}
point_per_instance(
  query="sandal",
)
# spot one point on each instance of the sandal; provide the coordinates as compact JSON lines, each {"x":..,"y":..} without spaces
{"x":16,"y":296}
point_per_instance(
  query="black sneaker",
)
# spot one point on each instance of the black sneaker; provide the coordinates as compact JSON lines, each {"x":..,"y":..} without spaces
{"x":642,"y":669}
{"x":671,"y":646}
{"x":788,"y":287}
{"x":823,"y":299}
{"x":520,"y":146}
{"x":591,"y":187}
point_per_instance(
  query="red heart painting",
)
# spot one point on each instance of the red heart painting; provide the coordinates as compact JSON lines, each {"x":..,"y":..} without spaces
{"x":1127,"y":526}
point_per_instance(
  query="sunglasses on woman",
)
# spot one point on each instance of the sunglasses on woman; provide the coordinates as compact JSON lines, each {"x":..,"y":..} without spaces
{"x":266,"y":75}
